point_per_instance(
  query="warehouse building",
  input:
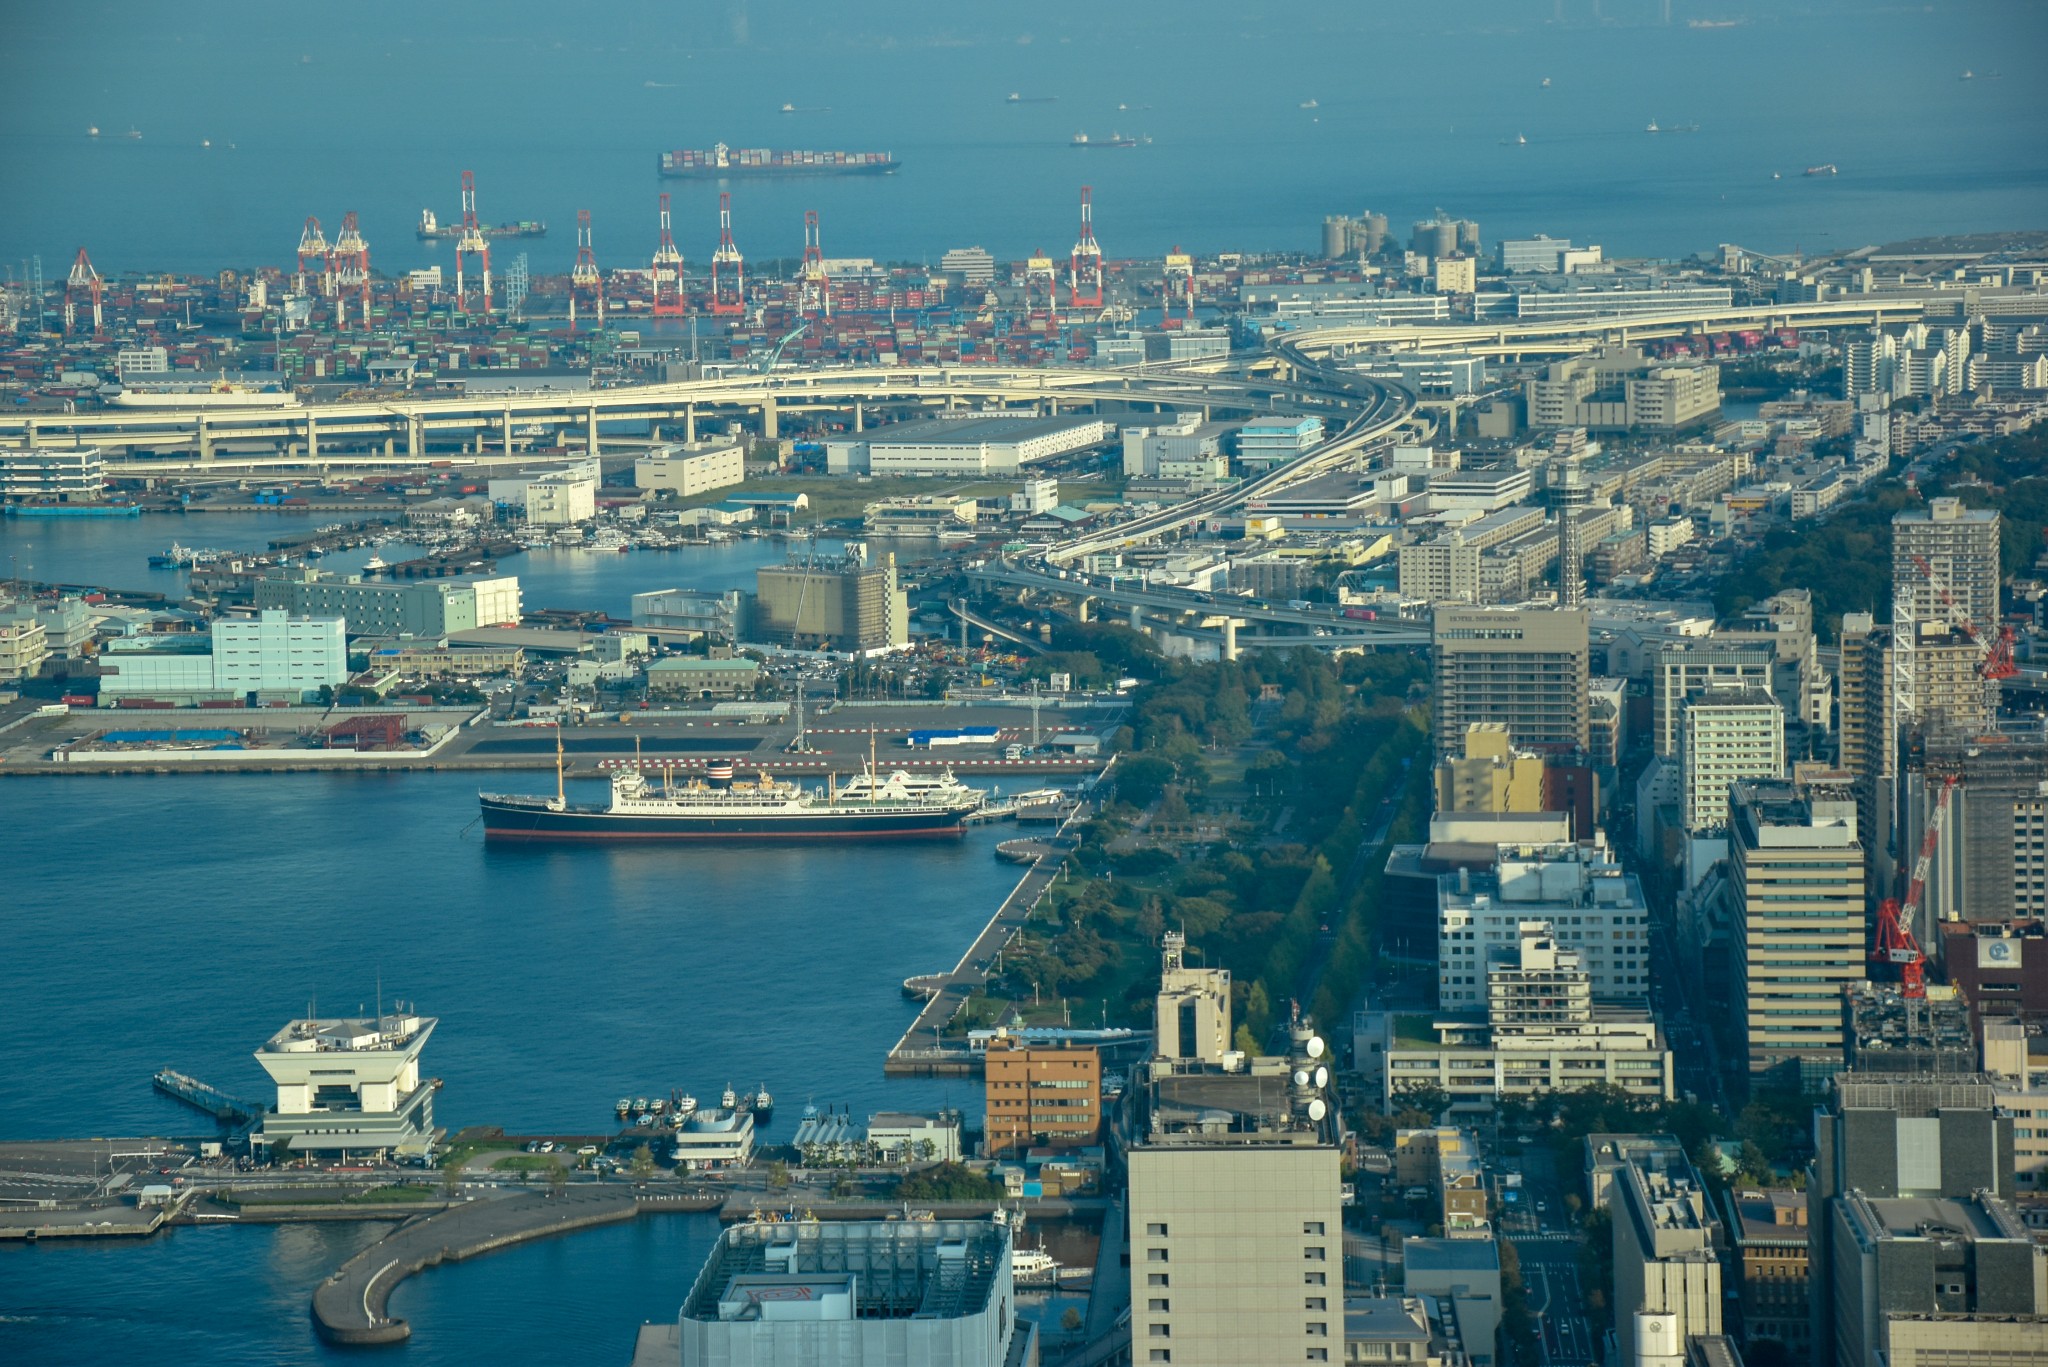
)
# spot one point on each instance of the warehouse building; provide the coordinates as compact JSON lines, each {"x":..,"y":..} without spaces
{"x":961,"y":446}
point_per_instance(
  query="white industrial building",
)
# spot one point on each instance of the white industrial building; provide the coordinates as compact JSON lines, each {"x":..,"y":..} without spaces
{"x":272,"y":657}
{"x":350,"y":1087}
{"x":961,"y":446}
{"x":688,"y":470}
{"x":560,"y":501}
{"x":852,"y":1293}
{"x":52,"y":474}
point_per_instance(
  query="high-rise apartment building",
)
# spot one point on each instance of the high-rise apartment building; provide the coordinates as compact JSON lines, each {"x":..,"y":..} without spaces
{"x":1682,"y":669}
{"x":1236,"y":1213}
{"x":1526,"y":668}
{"x":1947,"y":553}
{"x":1799,"y":935}
{"x":1729,"y":734}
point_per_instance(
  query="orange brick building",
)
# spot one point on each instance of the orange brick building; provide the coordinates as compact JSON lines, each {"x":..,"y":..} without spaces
{"x":1042,"y":1096}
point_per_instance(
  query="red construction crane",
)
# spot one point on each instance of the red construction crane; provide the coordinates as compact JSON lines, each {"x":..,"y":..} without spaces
{"x":348,"y":268}
{"x":1895,"y":942}
{"x":472,"y":242}
{"x":728,"y":267}
{"x":83,"y":281}
{"x":312,"y":258}
{"x":814,"y":288}
{"x":670,"y":300}
{"x":1084,"y":268}
{"x":585,"y":280}
{"x":1998,"y":649}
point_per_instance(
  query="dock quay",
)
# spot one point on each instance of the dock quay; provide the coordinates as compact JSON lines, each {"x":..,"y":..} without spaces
{"x":945,"y":993}
{"x":228,"y":1110}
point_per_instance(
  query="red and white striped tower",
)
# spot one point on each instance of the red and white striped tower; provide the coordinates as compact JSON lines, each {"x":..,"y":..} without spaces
{"x":312,"y":259}
{"x":472,"y":242}
{"x":81,"y":285}
{"x":728,"y":267}
{"x":814,"y":290}
{"x":585,"y":281}
{"x":1084,"y":269}
{"x":670,"y":301}
{"x":348,"y":266}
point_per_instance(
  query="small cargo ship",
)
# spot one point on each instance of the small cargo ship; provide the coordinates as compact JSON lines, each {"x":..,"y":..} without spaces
{"x":721,"y":162}
{"x":1017,"y":98}
{"x":1826,"y":168}
{"x":1113,"y":140}
{"x":720,"y":807}
{"x":431,"y":228}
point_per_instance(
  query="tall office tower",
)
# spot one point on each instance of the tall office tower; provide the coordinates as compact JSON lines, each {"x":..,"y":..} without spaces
{"x":1868,"y":747}
{"x":1236,"y":1213}
{"x":1684,"y":668}
{"x":1799,"y":936}
{"x":1730,"y":733}
{"x":1987,"y":799}
{"x":1667,"y":1246}
{"x":1524,"y":667}
{"x":1907,"y":1217}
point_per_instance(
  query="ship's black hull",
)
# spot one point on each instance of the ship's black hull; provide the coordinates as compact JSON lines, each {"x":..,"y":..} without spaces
{"x":757,"y":172}
{"x":518,"y":821}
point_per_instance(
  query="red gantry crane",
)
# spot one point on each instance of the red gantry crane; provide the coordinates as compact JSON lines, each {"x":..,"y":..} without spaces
{"x":728,"y":267}
{"x":585,"y":281}
{"x":670,"y":299}
{"x":83,"y":286}
{"x":814,"y":287}
{"x":312,"y":275}
{"x":472,"y":242}
{"x":1084,"y":268}
{"x":348,"y":268}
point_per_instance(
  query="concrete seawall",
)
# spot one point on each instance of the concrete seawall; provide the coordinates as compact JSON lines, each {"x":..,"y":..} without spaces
{"x":349,"y":1307}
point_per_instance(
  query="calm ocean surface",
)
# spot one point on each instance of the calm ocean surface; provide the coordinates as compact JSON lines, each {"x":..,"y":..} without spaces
{"x":1418,"y":106}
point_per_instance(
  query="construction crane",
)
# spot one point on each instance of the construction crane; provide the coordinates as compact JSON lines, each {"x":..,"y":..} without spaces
{"x":1998,"y":648}
{"x":1895,"y":942}
{"x":348,"y":268}
{"x":773,"y":357}
{"x":814,"y":287}
{"x":313,"y":251}
{"x":585,"y":281}
{"x":670,"y":299}
{"x":472,"y":242}
{"x":81,"y":285}
{"x":728,"y":267}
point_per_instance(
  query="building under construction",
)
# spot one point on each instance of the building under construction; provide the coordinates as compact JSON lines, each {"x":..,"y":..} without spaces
{"x":844,"y":605}
{"x":1991,"y":861}
{"x":1886,"y":1031}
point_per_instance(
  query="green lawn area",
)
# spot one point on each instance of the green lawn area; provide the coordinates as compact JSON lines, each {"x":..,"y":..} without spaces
{"x":1414,"y":1032}
{"x":527,"y":1162}
{"x":834,"y":497}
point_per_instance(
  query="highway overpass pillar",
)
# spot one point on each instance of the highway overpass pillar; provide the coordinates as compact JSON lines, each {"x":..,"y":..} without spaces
{"x":312,"y":439}
{"x":859,"y":417}
{"x":771,"y":425}
{"x":1230,"y":638}
{"x":690,"y":424}
{"x":415,"y":434}
{"x":506,"y":428}
{"x":205,"y":441}
{"x":1137,"y":618}
{"x":390,"y":444}
{"x":590,"y":429}
{"x":1081,"y":610}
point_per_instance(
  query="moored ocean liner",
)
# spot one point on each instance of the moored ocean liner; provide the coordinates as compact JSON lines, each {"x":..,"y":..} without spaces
{"x":722,"y":162}
{"x":721,"y":807}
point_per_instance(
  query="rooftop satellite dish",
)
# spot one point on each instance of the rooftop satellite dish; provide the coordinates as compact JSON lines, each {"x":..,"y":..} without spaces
{"x":1316,"y":1046}
{"x":1317,"y":1109}
{"x":1322,"y":1077}
{"x":1301,"y":1077}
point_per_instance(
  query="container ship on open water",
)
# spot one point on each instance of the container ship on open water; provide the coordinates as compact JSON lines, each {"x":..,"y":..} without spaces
{"x":719,"y":807}
{"x":722,"y":163}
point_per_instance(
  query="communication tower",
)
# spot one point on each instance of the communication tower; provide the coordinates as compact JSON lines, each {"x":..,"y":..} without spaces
{"x":80,"y":287}
{"x":814,"y":290}
{"x":1084,"y":269}
{"x":1180,"y":285}
{"x":670,"y":301}
{"x":348,"y":266}
{"x":313,"y":272}
{"x":472,"y":242}
{"x":728,"y":268}
{"x":585,"y":281}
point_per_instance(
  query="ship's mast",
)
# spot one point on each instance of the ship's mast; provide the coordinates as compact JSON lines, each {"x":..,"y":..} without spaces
{"x":561,"y":788}
{"x":874,"y":775}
